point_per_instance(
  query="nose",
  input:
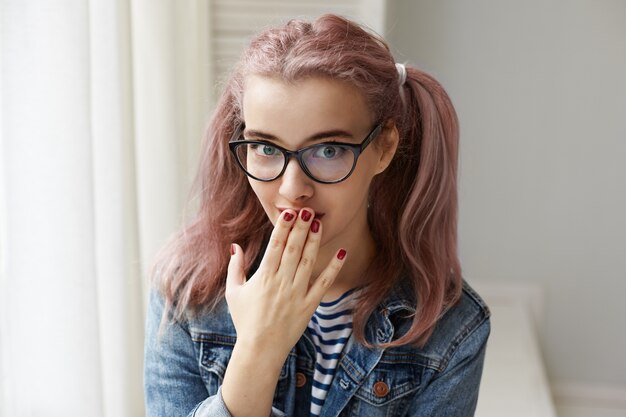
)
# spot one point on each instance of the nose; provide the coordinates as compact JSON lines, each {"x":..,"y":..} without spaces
{"x":295,"y":185}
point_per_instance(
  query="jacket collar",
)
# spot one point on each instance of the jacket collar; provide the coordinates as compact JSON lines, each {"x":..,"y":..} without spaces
{"x":401,"y":298}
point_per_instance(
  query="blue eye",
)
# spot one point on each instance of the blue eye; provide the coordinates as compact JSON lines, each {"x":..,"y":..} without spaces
{"x":269,"y":150}
{"x":328,"y":151}
{"x":264,"y":150}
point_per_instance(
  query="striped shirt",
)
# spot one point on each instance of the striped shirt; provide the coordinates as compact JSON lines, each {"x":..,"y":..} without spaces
{"x":330,"y":328}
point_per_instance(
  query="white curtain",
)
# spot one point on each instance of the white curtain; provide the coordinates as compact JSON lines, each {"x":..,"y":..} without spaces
{"x":101,"y":111}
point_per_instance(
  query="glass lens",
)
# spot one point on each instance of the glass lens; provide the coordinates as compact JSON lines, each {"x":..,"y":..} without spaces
{"x":262,"y":161}
{"x":328,"y":162}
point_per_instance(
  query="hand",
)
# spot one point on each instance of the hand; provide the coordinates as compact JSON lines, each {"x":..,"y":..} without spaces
{"x":271,"y":310}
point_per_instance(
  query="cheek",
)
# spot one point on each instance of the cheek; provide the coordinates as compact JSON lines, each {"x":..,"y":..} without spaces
{"x":263,"y":193}
{"x":348,"y":200}
{"x":359,"y":183}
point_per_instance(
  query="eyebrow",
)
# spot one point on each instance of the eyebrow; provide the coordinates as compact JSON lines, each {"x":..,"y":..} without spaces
{"x":335,"y":133}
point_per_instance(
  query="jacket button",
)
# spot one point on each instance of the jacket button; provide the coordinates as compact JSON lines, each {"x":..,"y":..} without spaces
{"x":381,"y":389}
{"x":300,"y":379}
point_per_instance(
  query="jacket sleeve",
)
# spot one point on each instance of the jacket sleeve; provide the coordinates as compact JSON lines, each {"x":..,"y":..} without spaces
{"x":173,"y":385}
{"x":454,"y":391}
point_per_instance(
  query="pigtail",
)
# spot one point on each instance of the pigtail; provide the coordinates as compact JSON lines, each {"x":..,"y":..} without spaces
{"x":417,"y":194}
{"x":428,"y":224}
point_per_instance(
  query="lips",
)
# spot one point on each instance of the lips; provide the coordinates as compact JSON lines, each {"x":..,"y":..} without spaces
{"x":317,"y":216}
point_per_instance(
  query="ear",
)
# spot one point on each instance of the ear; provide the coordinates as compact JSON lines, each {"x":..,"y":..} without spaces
{"x":388,"y":144}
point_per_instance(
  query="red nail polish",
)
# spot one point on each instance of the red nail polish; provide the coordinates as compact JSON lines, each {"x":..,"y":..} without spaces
{"x":315,"y":226}
{"x":288,"y":216}
{"x":232,"y":249}
{"x":341,"y":254}
{"x":305,"y":215}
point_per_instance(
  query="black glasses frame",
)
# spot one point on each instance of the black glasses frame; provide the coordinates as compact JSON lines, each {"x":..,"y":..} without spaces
{"x":356,"y":148}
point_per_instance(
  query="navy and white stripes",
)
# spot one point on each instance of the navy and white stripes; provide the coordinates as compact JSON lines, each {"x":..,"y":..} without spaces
{"x":330,"y":328}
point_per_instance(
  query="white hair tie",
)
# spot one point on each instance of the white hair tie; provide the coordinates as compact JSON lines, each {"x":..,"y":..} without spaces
{"x":402,"y":73}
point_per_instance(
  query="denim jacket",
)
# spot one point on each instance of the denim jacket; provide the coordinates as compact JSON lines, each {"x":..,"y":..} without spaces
{"x":185,"y":365}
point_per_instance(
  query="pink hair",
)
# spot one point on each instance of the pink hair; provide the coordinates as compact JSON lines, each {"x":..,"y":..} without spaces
{"x":413,"y":204}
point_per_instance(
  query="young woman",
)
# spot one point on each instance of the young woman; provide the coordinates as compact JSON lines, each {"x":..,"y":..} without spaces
{"x":320,"y":275}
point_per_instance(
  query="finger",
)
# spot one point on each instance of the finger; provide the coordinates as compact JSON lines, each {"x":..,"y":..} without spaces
{"x":236,"y":275}
{"x":309,"y":256}
{"x":326,"y":278}
{"x":295,"y":243}
{"x":278,"y":240}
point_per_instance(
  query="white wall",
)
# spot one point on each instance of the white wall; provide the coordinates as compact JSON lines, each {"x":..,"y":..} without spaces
{"x":540,"y":89}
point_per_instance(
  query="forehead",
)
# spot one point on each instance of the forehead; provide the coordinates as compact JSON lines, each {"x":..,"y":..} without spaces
{"x":304,"y":107}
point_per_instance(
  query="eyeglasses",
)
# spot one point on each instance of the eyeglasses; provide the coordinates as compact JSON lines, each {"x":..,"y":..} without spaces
{"x":327,"y":163}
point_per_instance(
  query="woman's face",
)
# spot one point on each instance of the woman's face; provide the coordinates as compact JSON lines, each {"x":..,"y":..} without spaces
{"x":296,"y":115}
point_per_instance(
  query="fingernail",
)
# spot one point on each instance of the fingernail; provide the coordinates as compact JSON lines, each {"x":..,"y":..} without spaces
{"x":288,"y":216}
{"x":315,"y":226}
{"x":341,"y":254}
{"x":305,"y":215}
{"x":232,"y":249}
